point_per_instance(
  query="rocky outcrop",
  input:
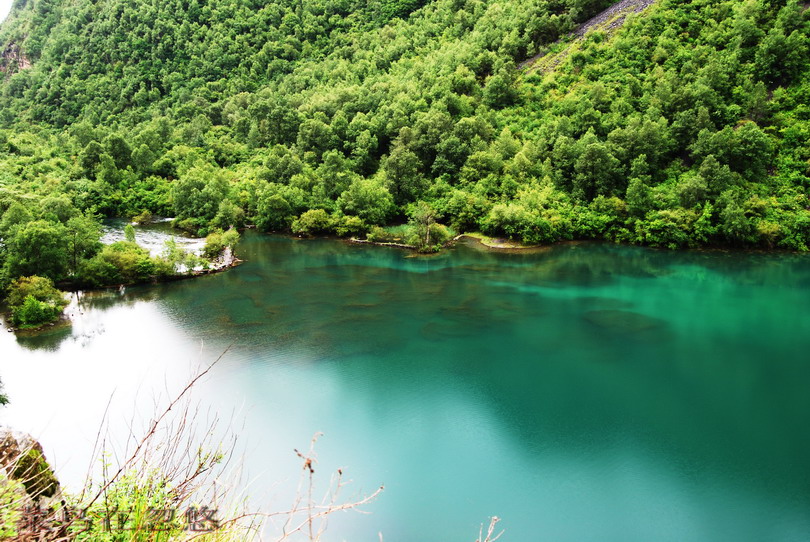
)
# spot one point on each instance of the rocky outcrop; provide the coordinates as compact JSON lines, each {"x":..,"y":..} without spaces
{"x":13,"y":59}
{"x":22,"y":459}
{"x":608,"y":21}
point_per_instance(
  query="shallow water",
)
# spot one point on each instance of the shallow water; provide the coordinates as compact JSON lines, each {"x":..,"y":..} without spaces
{"x":584,"y":392}
{"x":152,"y":236}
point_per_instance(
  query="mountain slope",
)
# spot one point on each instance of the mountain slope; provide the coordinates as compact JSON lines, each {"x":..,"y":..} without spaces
{"x":688,"y":126}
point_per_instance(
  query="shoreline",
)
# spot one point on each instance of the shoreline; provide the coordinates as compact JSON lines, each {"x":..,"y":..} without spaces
{"x":483,"y":240}
{"x":498,"y":243}
{"x":229,"y":261}
{"x":493,"y":244}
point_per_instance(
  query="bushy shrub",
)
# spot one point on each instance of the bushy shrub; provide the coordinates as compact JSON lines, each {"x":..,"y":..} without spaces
{"x":120,"y":263}
{"x":35,"y":301}
{"x":98,"y":272}
{"x":676,"y":228}
{"x":378,"y":234}
{"x":312,"y":222}
{"x":33,"y":313}
{"x":10,"y":513}
{"x":144,"y":217}
{"x":350,"y":225}
{"x":439,"y":234}
{"x":218,"y":241}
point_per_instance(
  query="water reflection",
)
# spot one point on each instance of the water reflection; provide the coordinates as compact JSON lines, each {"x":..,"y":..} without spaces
{"x":48,"y":339}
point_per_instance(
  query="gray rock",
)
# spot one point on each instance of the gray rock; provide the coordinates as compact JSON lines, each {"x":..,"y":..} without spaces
{"x":22,"y":458}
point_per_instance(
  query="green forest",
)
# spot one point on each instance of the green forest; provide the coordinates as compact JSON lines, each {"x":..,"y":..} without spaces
{"x":688,"y":126}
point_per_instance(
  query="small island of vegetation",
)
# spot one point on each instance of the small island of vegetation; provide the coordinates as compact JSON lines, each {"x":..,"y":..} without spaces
{"x":52,"y":243}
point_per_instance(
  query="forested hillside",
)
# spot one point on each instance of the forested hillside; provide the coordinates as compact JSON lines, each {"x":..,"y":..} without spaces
{"x":688,"y":126}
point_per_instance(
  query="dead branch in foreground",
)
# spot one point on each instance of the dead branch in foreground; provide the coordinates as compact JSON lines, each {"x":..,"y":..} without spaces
{"x":172,"y":457}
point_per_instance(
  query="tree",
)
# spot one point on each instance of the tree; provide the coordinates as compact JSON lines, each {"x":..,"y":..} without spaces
{"x":364,"y":150}
{"x":83,"y":239}
{"x":745,"y":149}
{"x":117,"y":147}
{"x":367,"y":199}
{"x":691,"y":189}
{"x":312,"y":222}
{"x":639,"y":197}
{"x":273,"y":212}
{"x":107,"y":170}
{"x":199,"y":192}
{"x":500,"y":90}
{"x":57,"y":208}
{"x":281,"y":165}
{"x":402,"y":168}
{"x":229,"y":215}
{"x":734,"y":225}
{"x":334,"y":175}
{"x":779,"y":58}
{"x":596,"y":169}
{"x":718,"y":177}
{"x":316,"y":136}
{"x":143,"y":159}
{"x":39,"y":248}
{"x":422,"y":220}
{"x":15,"y":216}
{"x":90,"y":157}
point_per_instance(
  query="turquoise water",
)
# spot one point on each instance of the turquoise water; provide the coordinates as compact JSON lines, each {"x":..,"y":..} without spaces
{"x":582,"y":392}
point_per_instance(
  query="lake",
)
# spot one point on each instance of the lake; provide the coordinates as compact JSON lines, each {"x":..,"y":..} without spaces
{"x":580,"y":392}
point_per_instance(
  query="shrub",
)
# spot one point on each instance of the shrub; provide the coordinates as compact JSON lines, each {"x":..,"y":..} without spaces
{"x":379,"y":234}
{"x":10,"y":513}
{"x":350,"y":225}
{"x":35,"y":301}
{"x":98,"y":272}
{"x":218,"y":241}
{"x":119,"y":263}
{"x":439,"y":234}
{"x":33,"y":313}
{"x":144,"y":217}
{"x":312,"y":222}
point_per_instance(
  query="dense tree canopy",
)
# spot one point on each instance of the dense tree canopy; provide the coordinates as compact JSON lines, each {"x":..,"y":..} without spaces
{"x":688,"y":126}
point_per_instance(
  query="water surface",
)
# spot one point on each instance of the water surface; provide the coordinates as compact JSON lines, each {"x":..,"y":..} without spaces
{"x":583,"y":392}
